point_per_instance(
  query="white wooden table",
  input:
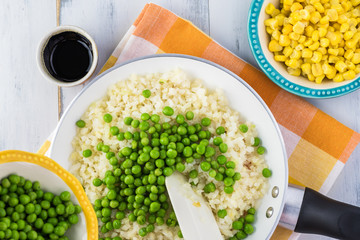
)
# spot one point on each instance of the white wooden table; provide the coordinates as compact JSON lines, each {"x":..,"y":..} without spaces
{"x":30,"y":106}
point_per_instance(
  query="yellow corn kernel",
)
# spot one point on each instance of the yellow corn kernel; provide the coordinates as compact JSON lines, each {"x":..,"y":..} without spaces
{"x":346,"y":6}
{"x":307,"y":53}
{"x":351,"y":44}
{"x":317,"y":56}
{"x":316,"y":69}
{"x":274,"y":46}
{"x":324,"y":20}
{"x":293,"y":44}
{"x":287,"y":51}
{"x":355,"y":2}
{"x":280,"y":58}
{"x":341,"y":52}
{"x":306,"y":68}
{"x":315,"y":36}
{"x":294,"y":18}
{"x":270,"y":8}
{"x":324,"y":42}
{"x":299,"y":47}
{"x":349,"y":75}
{"x":322,"y":31}
{"x":342,"y":19}
{"x":294,"y":63}
{"x":319,"y":7}
{"x":288,"y":2}
{"x":271,"y":22}
{"x":309,"y":30}
{"x":348,"y":35}
{"x":333,"y":59}
{"x":299,"y":27}
{"x":349,"y":54}
{"x":333,"y":15}
{"x":340,"y":66}
{"x":310,"y":8}
{"x":280,"y":18}
{"x":311,"y":77}
{"x":338,"y":78}
{"x":275,"y":13}
{"x":295,"y":54}
{"x":344,"y":27}
{"x":322,"y":50}
{"x":276,"y":35}
{"x":269,"y":30}
{"x":294,"y":36}
{"x":337,"y":7}
{"x":314,"y":46}
{"x":333,"y":51}
{"x":287,"y":29}
{"x":305,"y":14}
{"x":294,"y":72}
{"x":357,"y":69}
{"x":308,"y":42}
{"x":296,"y":6}
{"x":350,"y":65}
{"x":315,"y":17}
{"x":319,"y":79}
{"x":284,"y":40}
{"x":356,"y":58}
{"x":302,"y":39}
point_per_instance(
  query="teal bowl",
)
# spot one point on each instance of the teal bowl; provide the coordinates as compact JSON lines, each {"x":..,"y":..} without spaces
{"x":259,"y":39}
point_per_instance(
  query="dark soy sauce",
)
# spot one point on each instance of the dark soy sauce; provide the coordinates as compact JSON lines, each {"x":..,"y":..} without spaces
{"x":68,"y":56}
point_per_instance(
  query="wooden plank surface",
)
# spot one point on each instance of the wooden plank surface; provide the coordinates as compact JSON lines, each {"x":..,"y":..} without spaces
{"x":29,"y":104}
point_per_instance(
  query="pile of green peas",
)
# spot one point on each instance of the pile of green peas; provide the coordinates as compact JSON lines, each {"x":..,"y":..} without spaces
{"x":27,"y":212}
{"x":136,"y":185}
{"x":244,"y":225}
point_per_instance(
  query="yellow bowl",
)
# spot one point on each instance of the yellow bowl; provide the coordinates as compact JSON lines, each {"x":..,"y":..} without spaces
{"x":54,"y":178}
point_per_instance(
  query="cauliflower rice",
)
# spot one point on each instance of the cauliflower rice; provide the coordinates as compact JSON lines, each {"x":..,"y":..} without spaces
{"x":174,"y":89}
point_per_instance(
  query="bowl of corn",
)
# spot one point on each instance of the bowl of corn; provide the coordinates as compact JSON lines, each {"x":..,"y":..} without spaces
{"x":308,"y":47}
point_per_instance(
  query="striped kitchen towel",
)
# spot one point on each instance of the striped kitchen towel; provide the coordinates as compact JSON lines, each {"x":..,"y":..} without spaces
{"x":317,"y":145}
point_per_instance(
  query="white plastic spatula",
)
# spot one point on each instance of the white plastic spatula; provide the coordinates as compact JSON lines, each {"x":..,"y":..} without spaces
{"x":195,"y":217}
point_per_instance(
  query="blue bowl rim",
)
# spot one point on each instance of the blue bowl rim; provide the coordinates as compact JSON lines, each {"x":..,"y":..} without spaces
{"x":275,"y":76}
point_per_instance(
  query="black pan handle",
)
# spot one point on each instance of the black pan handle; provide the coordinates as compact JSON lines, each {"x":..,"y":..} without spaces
{"x":325,"y":216}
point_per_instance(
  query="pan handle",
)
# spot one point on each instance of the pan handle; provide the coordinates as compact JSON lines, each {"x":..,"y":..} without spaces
{"x":318,"y":214}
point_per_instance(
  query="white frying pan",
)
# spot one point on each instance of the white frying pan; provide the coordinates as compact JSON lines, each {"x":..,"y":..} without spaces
{"x":317,"y":213}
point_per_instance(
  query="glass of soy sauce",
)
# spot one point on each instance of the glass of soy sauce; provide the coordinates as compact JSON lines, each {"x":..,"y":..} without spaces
{"x":67,"y":56}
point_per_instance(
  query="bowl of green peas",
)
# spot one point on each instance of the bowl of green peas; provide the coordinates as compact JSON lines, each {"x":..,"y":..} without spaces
{"x":41,"y":200}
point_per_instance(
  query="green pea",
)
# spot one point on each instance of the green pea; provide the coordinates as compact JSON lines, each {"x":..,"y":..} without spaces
{"x":168,"y":171}
{"x":168,"y":111}
{"x":210,"y":187}
{"x":205,"y":122}
{"x":230,"y":164}
{"x":87,"y":153}
{"x":142,"y":232}
{"x":209,"y":152}
{"x":248,"y":229}
{"x":202,"y":134}
{"x":212,"y":173}
{"x":105,"y":148}
{"x":107,"y":118}
{"x":256,"y":141}
{"x":146,"y":93}
{"x":221,"y":159}
{"x":223,"y":147}
{"x":80,"y":123}
{"x":128,"y":120}
{"x":222,"y":213}
{"x":237,"y":225}
{"x":48,"y":228}
{"x":154,"y":207}
{"x":228,"y":189}
{"x":60,"y":209}
{"x":230,"y":172}
{"x":65,"y":196}
{"x":205,"y":166}
{"x":241,"y":234}
{"x":145,"y":116}
{"x":135,"y":123}
{"x":228,"y":181}
{"x":114,"y":130}
{"x":180,"y":167}
{"x":155,"y":118}
{"x":128,"y":135}
{"x":251,"y":211}
{"x":243,"y":128}
{"x":217,"y":141}
{"x":237,"y":176}
{"x":220,"y":130}
{"x":266,"y":172}
{"x":261,"y":150}
{"x":201,"y":149}
{"x":249,"y":218}
{"x":189,"y":115}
